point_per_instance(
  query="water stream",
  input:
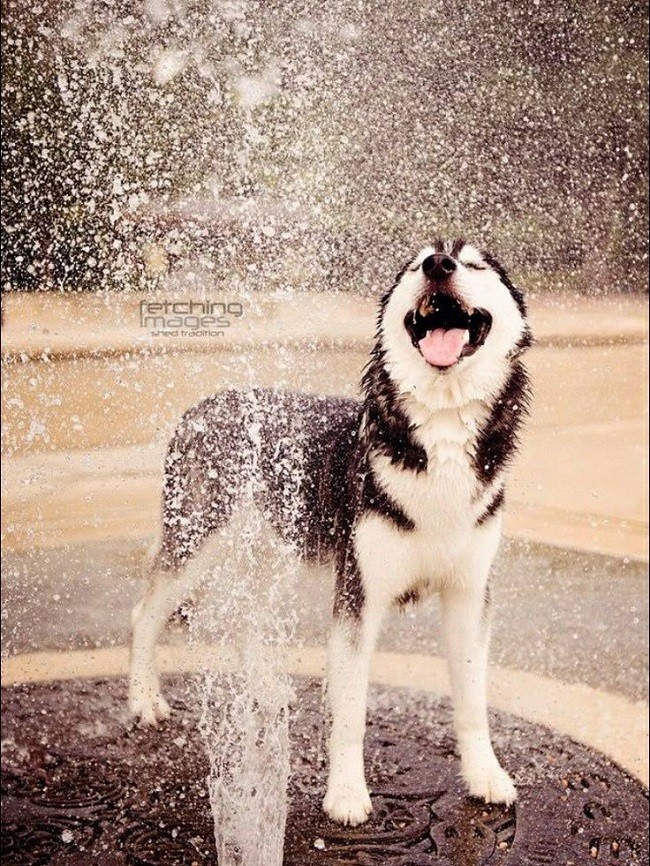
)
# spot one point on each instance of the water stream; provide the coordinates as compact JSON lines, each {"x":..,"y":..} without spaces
{"x":248,"y":604}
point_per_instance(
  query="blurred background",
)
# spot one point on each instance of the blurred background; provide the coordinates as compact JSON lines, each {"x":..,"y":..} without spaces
{"x":320,"y":143}
{"x":282,"y":160}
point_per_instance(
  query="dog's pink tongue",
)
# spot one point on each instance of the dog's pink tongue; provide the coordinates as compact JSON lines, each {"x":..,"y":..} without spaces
{"x":442,"y":348}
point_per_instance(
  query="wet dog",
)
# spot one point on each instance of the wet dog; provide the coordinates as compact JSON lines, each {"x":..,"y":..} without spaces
{"x":402,"y":491}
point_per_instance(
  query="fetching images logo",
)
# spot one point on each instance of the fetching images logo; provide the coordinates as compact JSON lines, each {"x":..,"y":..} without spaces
{"x":189,"y":318}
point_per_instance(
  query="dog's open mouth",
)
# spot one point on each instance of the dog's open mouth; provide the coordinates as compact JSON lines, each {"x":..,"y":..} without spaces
{"x":444,"y":331}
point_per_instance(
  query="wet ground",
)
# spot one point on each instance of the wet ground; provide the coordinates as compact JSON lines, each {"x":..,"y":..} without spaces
{"x":80,"y":785}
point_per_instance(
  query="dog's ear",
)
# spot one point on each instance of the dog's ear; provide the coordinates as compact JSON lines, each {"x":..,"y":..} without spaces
{"x":498,"y":268}
{"x":526,"y":340}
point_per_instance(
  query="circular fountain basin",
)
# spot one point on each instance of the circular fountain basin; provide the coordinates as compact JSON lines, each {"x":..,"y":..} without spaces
{"x":81,"y":785}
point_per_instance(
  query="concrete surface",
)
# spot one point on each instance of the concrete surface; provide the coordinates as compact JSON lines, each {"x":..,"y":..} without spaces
{"x":581,"y":618}
{"x":85,"y":429}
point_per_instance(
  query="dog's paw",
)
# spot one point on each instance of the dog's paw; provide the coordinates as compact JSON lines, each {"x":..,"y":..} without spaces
{"x":148,"y":708}
{"x":490,"y":782}
{"x":348,"y":804}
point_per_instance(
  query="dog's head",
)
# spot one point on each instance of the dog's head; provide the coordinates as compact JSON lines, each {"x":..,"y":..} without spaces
{"x":453,"y":318}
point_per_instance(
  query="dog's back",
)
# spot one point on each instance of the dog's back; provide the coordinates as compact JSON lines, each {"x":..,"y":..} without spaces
{"x":294,"y":456}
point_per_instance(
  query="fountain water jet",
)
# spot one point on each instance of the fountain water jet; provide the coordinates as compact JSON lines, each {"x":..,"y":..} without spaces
{"x":249,"y":603}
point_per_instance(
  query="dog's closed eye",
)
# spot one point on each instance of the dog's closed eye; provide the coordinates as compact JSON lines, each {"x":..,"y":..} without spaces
{"x":474,"y":266}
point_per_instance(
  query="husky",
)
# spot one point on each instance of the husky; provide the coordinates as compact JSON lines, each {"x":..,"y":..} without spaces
{"x":402,"y":491}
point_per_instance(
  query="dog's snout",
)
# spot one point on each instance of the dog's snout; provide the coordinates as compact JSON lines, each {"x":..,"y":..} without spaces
{"x":438,"y":266}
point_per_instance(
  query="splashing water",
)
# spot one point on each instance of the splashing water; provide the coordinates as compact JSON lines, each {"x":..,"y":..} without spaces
{"x":244,"y":723}
{"x":248,"y":605}
{"x":340,"y":128}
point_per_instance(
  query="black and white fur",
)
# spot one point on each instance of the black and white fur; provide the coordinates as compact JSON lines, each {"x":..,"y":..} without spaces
{"x":402,"y":491}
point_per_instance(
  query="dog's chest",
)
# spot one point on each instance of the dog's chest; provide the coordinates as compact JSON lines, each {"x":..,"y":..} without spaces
{"x":441,"y":498}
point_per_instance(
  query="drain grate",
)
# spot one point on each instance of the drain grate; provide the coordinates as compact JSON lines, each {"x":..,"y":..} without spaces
{"x":80,"y":785}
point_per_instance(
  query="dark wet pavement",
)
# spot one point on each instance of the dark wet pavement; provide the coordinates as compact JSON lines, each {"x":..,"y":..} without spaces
{"x":80,"y":785}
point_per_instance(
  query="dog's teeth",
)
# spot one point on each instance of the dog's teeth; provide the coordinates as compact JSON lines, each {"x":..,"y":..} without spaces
{"x":466,"y":338}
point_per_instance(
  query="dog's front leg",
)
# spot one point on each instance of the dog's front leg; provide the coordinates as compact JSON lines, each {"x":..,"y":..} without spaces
{"x":466,"y":618}
{"x":350,"y":647}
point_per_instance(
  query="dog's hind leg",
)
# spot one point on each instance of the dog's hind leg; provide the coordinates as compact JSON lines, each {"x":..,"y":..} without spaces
{"x":165,"y":590}
{"x":202,"y":472}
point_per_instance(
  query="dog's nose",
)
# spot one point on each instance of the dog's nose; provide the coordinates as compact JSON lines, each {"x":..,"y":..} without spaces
{"x":438,"y":266}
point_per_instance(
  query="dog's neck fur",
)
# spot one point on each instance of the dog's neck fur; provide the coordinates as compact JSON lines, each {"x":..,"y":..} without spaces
{"x":386,"y":422}
{"x":407,"y":426}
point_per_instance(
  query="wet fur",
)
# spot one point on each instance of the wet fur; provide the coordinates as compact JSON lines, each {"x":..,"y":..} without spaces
{"x":402,"y":490}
